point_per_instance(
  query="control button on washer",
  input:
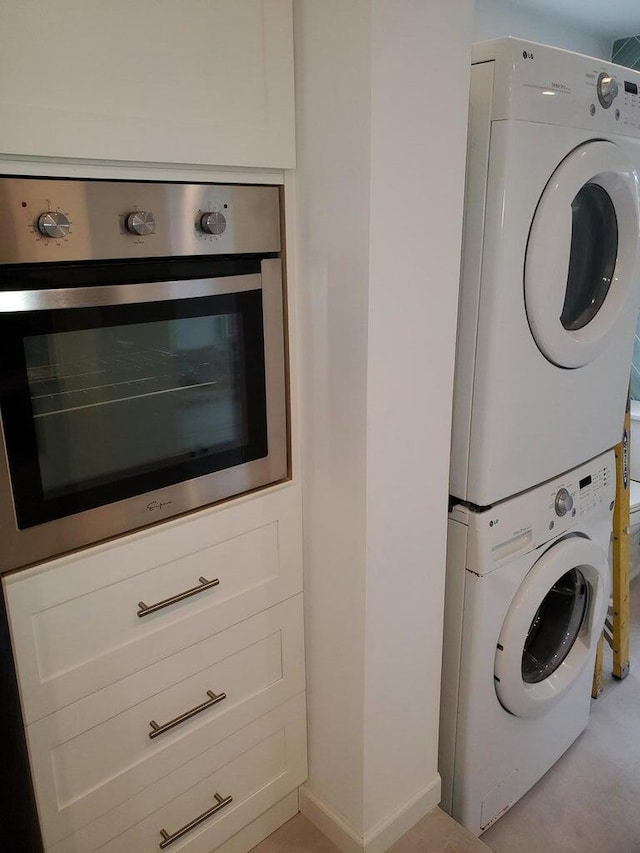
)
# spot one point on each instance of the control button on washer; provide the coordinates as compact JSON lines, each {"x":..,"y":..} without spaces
{"x":564,"y":502}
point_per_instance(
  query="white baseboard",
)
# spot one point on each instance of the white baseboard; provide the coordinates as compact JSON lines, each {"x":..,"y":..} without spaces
{"x":387,"y":832}
{"x":329,"y":823}
{"x":383,"y":835}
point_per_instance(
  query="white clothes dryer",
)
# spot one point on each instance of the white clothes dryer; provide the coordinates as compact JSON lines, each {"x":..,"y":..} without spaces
{"x":550,"y":283}
{"x":526,"y":598}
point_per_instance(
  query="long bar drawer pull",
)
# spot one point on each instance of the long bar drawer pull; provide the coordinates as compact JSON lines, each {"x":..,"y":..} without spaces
{"x":211,"y":701}
{"x":146,"y":609}
{"x":221,"y":802}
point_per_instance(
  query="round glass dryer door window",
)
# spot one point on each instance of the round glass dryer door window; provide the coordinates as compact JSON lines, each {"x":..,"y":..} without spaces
{"x":594,"y":249}
{"x":552,"y":626}
{"x":581,"y":254}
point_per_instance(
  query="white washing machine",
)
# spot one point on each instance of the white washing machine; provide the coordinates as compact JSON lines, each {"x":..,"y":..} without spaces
{"x":526,"y":597}
{"x":550,"y":281}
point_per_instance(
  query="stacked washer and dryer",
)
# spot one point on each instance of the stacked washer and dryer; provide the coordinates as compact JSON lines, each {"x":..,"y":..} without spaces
{"x":548,"y":305}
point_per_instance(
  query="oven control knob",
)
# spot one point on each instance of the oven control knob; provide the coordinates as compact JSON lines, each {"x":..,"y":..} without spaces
{"x":607,"y":89}
{"x":213,"y":223}
{"x":141,"y":223}
{"x":564,"y":502}
{"x":53,"y":224}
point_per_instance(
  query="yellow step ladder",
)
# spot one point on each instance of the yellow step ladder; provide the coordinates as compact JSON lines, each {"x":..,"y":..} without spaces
{"x":616,"y":628}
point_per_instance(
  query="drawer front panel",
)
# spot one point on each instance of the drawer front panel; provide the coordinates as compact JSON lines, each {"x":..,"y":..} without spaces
{"x":86,"y":760}
{"x":75,"y":624}
{"x":256,"y":767}
{"x":106,"y":621}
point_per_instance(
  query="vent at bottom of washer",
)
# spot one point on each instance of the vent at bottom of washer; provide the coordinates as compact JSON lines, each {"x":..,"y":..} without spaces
{"x":498,"y":800}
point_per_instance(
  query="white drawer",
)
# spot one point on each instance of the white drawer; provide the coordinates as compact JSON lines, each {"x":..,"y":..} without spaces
{"x":92,"y":756}
{"x":74,"y":622}
{"x":256,"y":767}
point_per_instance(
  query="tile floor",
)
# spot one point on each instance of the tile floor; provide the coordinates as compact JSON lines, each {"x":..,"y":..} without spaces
{"x":435,"y":833}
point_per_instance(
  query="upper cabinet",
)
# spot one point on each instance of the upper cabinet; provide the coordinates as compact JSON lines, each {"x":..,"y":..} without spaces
{"x":206,"y":82}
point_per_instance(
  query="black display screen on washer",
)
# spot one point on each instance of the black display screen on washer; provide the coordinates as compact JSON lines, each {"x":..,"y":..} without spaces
{"x":630,"y":87}
{"x":586,"y":481}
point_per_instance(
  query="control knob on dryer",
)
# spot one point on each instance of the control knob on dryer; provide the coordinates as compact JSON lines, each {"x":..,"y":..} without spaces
{"x":607,"y":87}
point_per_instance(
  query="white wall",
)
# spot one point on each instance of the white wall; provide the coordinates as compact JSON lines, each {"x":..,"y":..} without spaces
{"x":495,"y":18}
{"x":332,"y":49}
{"x":381,"y":153}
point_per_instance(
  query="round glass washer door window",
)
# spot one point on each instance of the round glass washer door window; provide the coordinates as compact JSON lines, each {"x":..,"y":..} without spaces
{"x":555,"y":627}
{"x":551,"y":627}
{"x":580,"y":261}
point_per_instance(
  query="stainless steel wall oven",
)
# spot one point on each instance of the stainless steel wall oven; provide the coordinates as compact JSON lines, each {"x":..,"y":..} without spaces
{"x":142,"y":355}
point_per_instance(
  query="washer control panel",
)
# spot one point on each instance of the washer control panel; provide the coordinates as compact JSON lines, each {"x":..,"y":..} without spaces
{"x":581,"y":492}
{"x":592,"y":489}
{"x":573,"y":502}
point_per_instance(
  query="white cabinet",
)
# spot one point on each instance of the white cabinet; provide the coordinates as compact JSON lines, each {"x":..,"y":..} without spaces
{"x":75,"y":625}
{"x":251,"y":771}
{"x":135,"y":720}
{"x":255,"y":666}
{"x":200,"y":81}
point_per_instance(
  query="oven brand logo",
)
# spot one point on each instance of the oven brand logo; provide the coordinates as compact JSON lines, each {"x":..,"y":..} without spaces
{"x":154,"y":505}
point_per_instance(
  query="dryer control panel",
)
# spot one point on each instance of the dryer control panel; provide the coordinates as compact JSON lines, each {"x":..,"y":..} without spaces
{"x":573,"y":502}
{"x":538,"y":83}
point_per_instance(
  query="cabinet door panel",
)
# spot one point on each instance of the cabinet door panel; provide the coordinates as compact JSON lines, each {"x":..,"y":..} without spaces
{"x":203,"y":81}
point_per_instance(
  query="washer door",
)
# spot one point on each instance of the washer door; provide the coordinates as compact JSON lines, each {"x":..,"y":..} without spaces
{"x":581,"y":254}
{"x":552,"y":626}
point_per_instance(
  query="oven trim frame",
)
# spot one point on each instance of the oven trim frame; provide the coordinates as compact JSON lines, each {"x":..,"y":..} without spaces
{"x":21,"y":548}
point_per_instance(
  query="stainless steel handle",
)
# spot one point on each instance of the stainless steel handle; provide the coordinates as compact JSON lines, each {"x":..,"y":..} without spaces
{"x":213,"y":700}
{"x":167,"y":839}
{"x":146,"y":609}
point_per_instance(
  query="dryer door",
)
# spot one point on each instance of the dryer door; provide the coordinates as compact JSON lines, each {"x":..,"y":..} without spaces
{"x":552,"y":627}
{"x":581,"y":254}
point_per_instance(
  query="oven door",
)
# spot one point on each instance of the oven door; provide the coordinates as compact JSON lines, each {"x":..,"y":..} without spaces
{"x":126,"y":404}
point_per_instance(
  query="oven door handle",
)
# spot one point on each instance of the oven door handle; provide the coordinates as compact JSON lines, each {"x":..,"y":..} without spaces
{"x":126,"y":294}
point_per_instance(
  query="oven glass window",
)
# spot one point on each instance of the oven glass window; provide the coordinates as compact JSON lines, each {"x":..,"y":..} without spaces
{"x":109,"y":403}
